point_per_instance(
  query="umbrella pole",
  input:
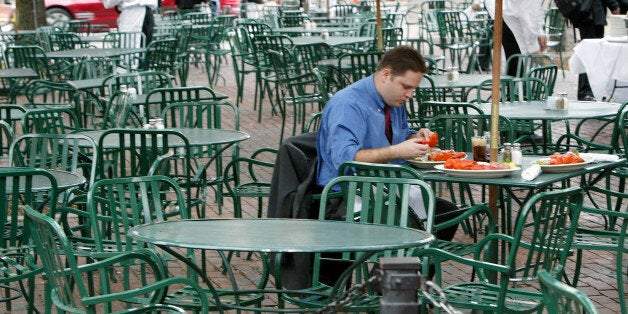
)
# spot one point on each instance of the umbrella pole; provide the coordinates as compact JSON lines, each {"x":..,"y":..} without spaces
{"x":495,"y":92}
{"x":378,"y":17}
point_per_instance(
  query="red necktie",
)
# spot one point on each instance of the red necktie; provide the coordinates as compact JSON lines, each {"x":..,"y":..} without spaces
{"x":387,"y":120}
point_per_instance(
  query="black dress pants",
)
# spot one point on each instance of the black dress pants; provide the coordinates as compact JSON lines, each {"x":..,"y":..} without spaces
{"x":149,"y":25}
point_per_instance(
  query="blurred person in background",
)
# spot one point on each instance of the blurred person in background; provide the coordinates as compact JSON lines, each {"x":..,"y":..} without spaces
{"x":523,"y":27}
{"x":135,"y":16}
{"x":592,"y":26}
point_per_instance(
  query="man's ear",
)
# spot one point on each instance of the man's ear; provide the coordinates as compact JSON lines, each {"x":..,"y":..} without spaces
{"x":385,"y":74}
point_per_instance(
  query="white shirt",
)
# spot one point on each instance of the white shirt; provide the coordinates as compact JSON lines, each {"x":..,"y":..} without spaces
{"x":525,"y":18}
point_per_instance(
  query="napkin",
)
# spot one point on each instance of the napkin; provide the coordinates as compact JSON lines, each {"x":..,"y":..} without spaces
{"x":601,"y":157}
{"x":531,"y":173}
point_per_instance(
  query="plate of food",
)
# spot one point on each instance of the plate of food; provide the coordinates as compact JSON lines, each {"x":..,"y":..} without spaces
{"x":436,"y":158}
{"x":558,"y":163}
{"x":474,"y":169}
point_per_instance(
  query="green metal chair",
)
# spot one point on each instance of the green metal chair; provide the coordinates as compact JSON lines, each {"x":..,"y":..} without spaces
{"x":562,"y":298}
{"x":242,"y":58}
{"x":362,"y":64}
{"x":67,"y":152}
{"x":472,"y":218}
{"x":454,"y":37}
{"x":296,"y":90}
{"x":524,"y":63}
{"x":160,"y":56}
{"x":116,"y":205}
{"x":143,"y":82}
{"x":543,"y":234}
{"x":120,"y":112}
{"x":79,"y":26}
{"x":608,"y":205}
{"x":313,"y":123}
{"x":16,"y":253}
{"x":383,"y":201}
{"x":250,"y":177}
{"x":205,"y":114}
{"x":547,"y":75}
{"x":66,"y":276}
{"x":66,"y":41}
{"x":125,"y":40}
{"x":555,"y":30}
{"x":6,"y":138}
{"x":158,"y":99}
{"x":50,"y":121}
{"x":595,"y":141}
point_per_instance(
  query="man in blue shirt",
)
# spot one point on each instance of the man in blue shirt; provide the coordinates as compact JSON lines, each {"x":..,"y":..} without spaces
{"x":353,"y":123}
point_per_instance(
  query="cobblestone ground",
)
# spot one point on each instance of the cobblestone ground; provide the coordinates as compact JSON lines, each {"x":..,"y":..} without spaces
{"x":597,"y":278}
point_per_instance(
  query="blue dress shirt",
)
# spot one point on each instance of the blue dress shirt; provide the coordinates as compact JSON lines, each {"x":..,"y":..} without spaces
{"x":353,"y":119}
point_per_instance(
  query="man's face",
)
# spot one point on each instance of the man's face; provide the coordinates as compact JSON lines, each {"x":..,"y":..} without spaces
{"x":396,"y":90}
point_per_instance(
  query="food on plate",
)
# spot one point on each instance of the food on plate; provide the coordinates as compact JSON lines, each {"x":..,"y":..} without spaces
{"x":444,"y":155}
{"x":562,"y":159}
{"x":464,"y":164}
{"x":432,"y":141}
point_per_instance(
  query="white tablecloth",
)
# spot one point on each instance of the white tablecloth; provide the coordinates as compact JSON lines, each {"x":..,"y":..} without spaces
{"x":604,"y":62}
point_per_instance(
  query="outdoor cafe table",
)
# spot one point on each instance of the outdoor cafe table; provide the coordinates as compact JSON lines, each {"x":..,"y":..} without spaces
{"x":65,"y":180}
{"x":464,"y":82}
{"x":318,"y":30}
{"x":595,"y":171}
{"x":195,"y":136}
{"x":93,"y":53}
{"x":536,"y":110}
{"x":15,"y":75}
{"x":332,"y":41}
{"x":277,"y":236}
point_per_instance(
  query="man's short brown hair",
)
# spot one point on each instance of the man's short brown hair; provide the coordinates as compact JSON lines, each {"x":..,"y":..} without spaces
{"x":401,"y":59}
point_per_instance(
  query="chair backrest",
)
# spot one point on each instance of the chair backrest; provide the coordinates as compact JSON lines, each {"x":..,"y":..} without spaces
{"x":426,"y":110}
{"x":554,"y":24}
{"x":455,"y":130}
{"x":158,"y":99}
{"x":124,"y":40}
{"x":79,"y":26}
{"x":343,"y":10}
{"x":160,"y":55}
{"x":293,"y":18}
{"x":20,"y":187}
{"x":93,"y":68}
{"x":116,"y":205}
{"x":6,"y":138}
{"x":561,"y":298}
{"x":65,"y":41}
{"x":50,"y":121}
{"x":120,"y":113}
{"x":483,"y":91}
{"x":392,"y":37}
{"x":143,"y":82}
{"x":543,"y":233}
{"x":313,"y":123}
{"x":379,"y":200}
{"x":132,"y":152}
{"x":33,"y":57}
{"x":523,"y":63}
{"x":202,"y":114}
{"x":547,"y":74}
{"x":307,"y":56}
{"x":451,"y":28}
{"x":362,"y":64}
{"x":74,"y":153}
{"x":45,"y":91}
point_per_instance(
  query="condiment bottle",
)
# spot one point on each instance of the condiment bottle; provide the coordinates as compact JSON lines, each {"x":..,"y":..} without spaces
{"x":507,"y":152}
{"x":517,"y":155}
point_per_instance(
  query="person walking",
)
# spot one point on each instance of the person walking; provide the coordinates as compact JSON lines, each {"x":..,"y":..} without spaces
{"x":135,"y":16}
{"x":523,"y":31}
{"x":592,"y":26}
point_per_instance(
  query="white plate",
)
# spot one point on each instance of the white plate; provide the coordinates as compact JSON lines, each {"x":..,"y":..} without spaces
{"x":564,"y":167}
{"x":622,"y":39}
{"x":428,"y":164}
{"x":499,"y":173}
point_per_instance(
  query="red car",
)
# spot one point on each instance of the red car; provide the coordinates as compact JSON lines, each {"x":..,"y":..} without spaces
{"x":95,"y":12}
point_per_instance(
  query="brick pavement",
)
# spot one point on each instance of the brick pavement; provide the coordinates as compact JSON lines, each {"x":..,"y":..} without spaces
{"x":597,"y":279}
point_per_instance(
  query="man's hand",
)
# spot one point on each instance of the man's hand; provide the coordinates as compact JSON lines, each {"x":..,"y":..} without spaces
{"x":410,"y":148}
{"x":542,"y":42}
{"x":616,"y":11}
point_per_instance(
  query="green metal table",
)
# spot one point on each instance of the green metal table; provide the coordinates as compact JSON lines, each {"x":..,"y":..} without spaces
{"x":589,"y":174}
{"x":16,"y":78}
{"x":65,"y":180}
{"x":196,"y":137}
{"x":332,"y":41}
{"x":318,"y":30}
{"x":464,"y":82}
{"x":536,"y":110}
{"x":93,"y":53}
{"x":277,"y":236}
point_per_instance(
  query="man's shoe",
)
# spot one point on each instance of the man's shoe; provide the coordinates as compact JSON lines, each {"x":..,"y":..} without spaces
{"x":587,"y":98}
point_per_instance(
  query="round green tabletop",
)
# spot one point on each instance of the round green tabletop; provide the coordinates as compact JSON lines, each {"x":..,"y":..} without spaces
{"x":196,"y":137}
{"x":65,"y":180}
{"x":537,"y":110}
{"x":279,"y":235}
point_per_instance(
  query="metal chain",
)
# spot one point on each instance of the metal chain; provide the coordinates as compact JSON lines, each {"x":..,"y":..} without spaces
{"x":357,"y":290}
{"x":353,"y":294}
{"x":430,"y":287}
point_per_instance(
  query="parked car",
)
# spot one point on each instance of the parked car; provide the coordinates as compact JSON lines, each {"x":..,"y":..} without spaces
{"x":95,"y":12}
